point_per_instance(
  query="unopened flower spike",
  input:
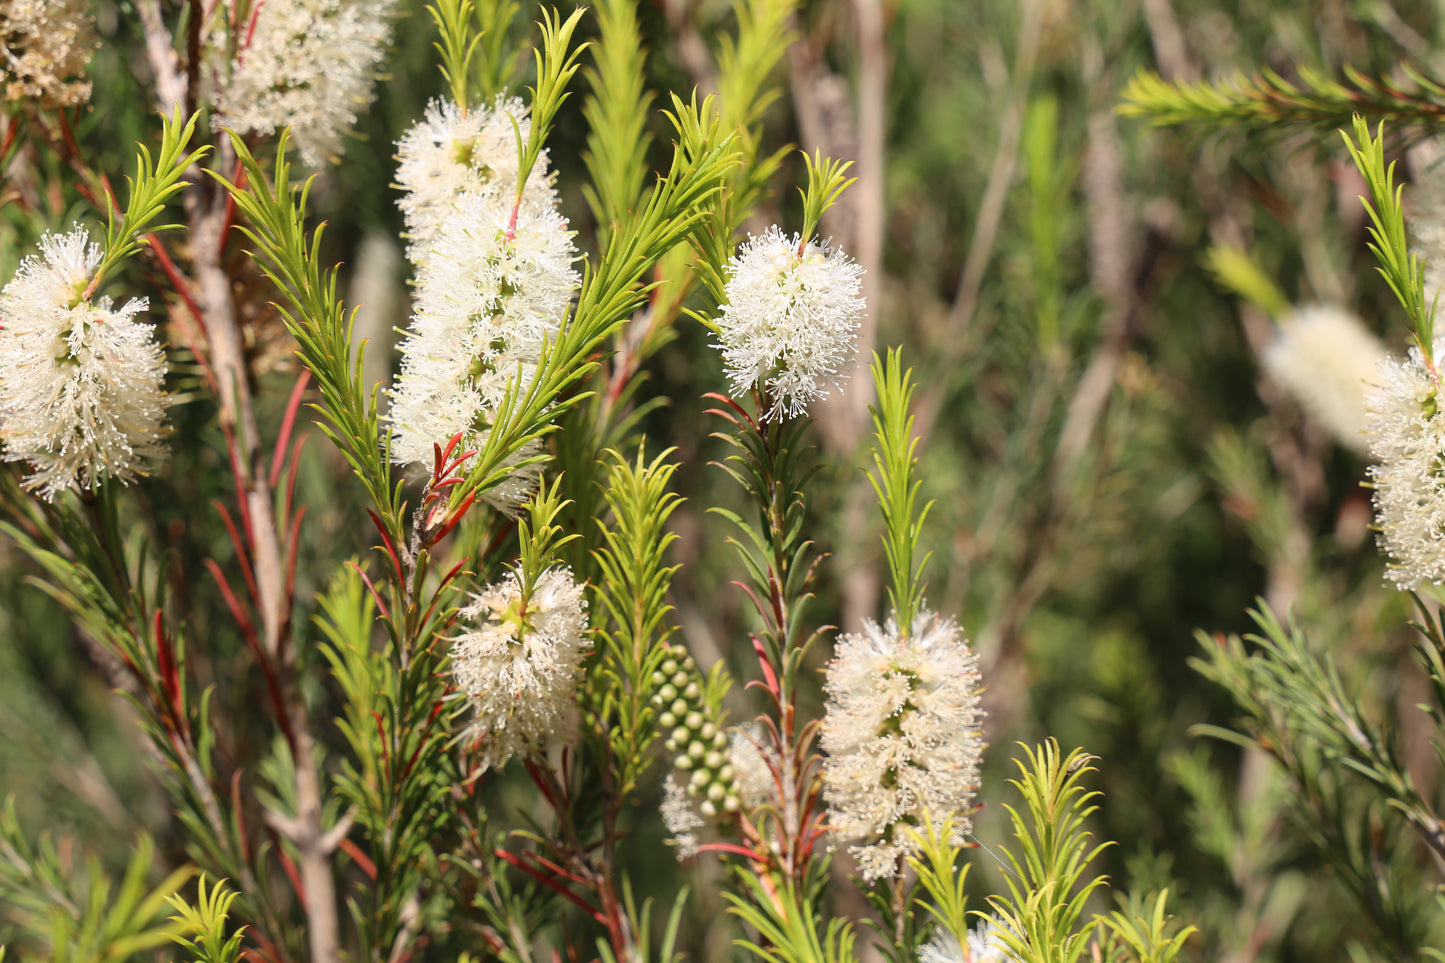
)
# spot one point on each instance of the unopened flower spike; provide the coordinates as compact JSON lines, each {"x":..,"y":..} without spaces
{"x":81,"y":396}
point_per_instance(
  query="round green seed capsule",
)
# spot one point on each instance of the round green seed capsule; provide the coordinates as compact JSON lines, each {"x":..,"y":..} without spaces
{"x":707,"y":731}
{"x":707,"y":808}
{"x":681,"y":736}
{"x":714,"y":760}
{"x":692,"y":691}
{"x":699,"y":779}
{"x":720,"y":741}
{"x":716,"y":793}
{"x":668,"y":668}
{"x":696,"y":750}
{"x":679,"y":708}
{"x":731,"y":804}
{"x":694,"y":720}
{"x":727,"y":773}
{"x":680,"y":679}
{"x":667,"y":693}
{"x":667,"y":720}
{"x":683,"y":762}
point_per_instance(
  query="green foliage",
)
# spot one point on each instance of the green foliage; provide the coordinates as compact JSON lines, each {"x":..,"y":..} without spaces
{"x":825,"y":183}
{"x":1295,"y":707}
{"x":205,"y":924}
{"x":556,"y":63}
{"x":79,"y":915}
{"x":788,"y":926}
{"x":632,"y":591}
{"x":538,"y":537}
{"x":942,"y":878}
{"x":458,"y":44}
{"x":1144,"y":932}
{"x":1040,"y":918}
{"x":155,"y":182}
{"x":895,"y":463}
{"x":1400,"y":267}
{"x":1271,"y":104}
{"x":616,"y":108}
{"x":315,"y":317}
{"x":1232,"y":267}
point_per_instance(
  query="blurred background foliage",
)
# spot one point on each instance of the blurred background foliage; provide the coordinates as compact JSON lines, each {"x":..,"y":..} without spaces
{"x":1112,"y":468}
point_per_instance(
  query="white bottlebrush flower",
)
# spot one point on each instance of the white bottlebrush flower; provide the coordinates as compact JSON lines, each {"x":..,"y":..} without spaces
{"x":487,"y":299}
{"x":80,"y":381}
{"x":519,"y":670}
{"x":791,"y":320}
{"x":681,"y":818}
{"x":749,"y":756}
{"x":985,"y":945}
{"x":448,"y":154}
{"x":45,"y":46}
{"x":1407,"y":442}
{"x":902,"y":737}
{"x":307,"y":65}
{"x":1324,"y":357}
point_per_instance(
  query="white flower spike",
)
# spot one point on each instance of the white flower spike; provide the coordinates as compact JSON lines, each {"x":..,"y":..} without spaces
{"x":80,"y":382}
{"x":307,"y":65}
{"x":903,"y":737}
{"x":449,"y":154}
{"x":1325,"y":358}
{"x":1407,"y":441}
{"x":519,"y":670}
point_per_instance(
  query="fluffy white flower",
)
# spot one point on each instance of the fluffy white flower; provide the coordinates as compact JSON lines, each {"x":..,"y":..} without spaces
{"x":902,"y":737}
{"x":754,"y":763}
{"x":681,"y":818}
{"x":487,"y":298}
{"x":1324,"y":358}
{"x":1407,"y":441}
{"x":791,"y":319}
{"x":307,"y":65}
{"x":985,"y":945}
{"x":519,"y":670}
{"x":448,"y":154}
{"x":80,"y":381}
{"x":45,"y":46}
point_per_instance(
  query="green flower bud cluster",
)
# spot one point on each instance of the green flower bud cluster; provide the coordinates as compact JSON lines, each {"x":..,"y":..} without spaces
{"x":698,"y":742}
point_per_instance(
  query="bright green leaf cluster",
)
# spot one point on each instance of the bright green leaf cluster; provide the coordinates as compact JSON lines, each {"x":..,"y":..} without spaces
{"x":633,"y":610}
{"x":1401,"y":269}
{"x":825,"y":183}
{"x":81,"y":916}
{"x":615,"y":109}
{"x":472,"y":46}
{"x":1234,"y":269}
{"x":206,"y":921}
{"x":556,"y":63}
{"x":1041,"y":918}
{"x":156,"y":181}
{"x":1271,"y":104}
{"x":895,"y":463}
